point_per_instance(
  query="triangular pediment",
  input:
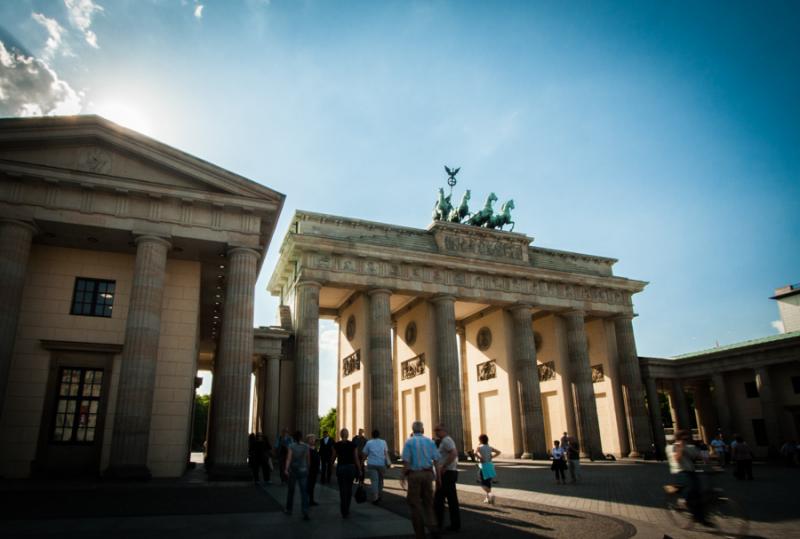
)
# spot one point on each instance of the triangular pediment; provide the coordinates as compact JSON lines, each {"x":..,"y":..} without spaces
{"x":94,"y":146}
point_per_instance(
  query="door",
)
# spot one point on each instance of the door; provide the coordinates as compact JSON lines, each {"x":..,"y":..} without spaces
{"x":71,"y":436}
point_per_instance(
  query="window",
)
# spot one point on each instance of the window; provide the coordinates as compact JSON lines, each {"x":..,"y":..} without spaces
{"x":77,"y":405}
{"x":751,"y":390}
{"x":93,"y":297}
{"x":760,"y":432}
{"x":796,"y":384}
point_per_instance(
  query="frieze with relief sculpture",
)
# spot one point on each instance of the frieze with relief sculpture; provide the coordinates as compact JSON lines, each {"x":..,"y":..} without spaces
{"x":413,"y":367}
{"x":351,"y":363}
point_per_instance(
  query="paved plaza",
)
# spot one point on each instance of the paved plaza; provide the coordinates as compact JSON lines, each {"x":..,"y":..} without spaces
{"x":614,"y":500}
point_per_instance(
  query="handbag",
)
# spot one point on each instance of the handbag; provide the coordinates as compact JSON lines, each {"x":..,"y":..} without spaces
{"x":360,"y":494}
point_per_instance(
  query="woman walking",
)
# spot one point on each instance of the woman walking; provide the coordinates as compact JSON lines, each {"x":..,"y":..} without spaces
{"x":347,"y":466}
{"x":486,"y":454}
{"x":559,"y":462}
{"x":296,"y":469}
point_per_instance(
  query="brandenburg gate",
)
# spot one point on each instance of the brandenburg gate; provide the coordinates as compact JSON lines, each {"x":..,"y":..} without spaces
{"x":469,"y":326}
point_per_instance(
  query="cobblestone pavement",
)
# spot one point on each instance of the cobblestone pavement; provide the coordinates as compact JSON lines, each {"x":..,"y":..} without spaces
{"x":632,"y":491}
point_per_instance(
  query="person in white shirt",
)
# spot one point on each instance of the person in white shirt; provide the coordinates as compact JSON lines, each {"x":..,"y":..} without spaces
{"x":377,"y":454}
{"x":447,"y":468}
{"x":682,"y":456}
{"x":559,"y":462}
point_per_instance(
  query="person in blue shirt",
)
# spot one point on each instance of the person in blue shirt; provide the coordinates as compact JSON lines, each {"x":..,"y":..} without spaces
{"x":419,"y":471}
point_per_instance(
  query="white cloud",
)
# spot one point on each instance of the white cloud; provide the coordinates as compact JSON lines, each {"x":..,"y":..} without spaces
{"x":778,"y":325}
{"x":55,"y":33}
{"x":29,"y":87}
{"x":80,"y":16}
{"x":198,"y":11}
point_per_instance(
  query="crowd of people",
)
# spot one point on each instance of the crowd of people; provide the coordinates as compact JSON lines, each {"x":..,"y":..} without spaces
{"x":430,"y":469}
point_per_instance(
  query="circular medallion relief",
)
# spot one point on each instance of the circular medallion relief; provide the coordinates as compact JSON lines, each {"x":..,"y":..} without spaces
{"x":411,"y":333}
{"x":350,"y":330}
{"x":537,"y":340}
{"x":484,"y":339}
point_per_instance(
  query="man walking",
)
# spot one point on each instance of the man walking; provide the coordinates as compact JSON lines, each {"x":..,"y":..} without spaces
{"x":419,"y":458}
{"x":573,"y":458}
{"x":325,"y":457}
{"x":377,"y":454}
{"x":447,"y":469}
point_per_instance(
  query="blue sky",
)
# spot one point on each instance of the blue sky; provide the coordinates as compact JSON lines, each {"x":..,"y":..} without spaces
{"x":663,"y":134}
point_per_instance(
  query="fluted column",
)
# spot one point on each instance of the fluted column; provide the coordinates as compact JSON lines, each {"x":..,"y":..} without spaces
{"x":234,"y":367}
{"x":632,"y":390}
{"x":654,"y":405}
{"x":583,"y":389}
{"x":449,"y":383}
{"x":272,"y":397}
{"x":721,"y":405}
{"x":131,"y":438}
{"x":306,"y":371}
{"x":678,"y":399}
{"x":769,"y":410}
{"x":380,"y":358}
{"x":528,"y":394}
{"x":15,"y":247}
{"x":465,"y":407}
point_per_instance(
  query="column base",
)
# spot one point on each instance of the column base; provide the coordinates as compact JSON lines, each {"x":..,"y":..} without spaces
{"x":128,"y":473}
{"x":230,"y":472}
{"x":634,"y":455}
{"x":526,"y":456}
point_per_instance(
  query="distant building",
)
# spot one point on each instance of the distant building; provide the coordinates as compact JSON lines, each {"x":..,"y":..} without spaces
{"x":750,"y":388}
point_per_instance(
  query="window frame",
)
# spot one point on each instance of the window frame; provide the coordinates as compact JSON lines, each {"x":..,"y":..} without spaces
{"x":107,"y":304}
{"x":78,"y":398}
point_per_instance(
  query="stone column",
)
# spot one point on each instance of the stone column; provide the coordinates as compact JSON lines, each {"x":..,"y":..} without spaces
{"x":306,"y":373}
{"x":583,"y":389}
{"x":131,"y":437}
{"x":380,"y":360}
{"x":234,"y":367}
{"x":721,"y":405}
{"x":465,"y":406}
{"x":632,"y":390}
{"x":678,"y":399}
{"x":654,"y":405}
{"x":272,"y":396}
{"x":531,"y":416}
{"x":15,"y":247}
{"x":770,"y":409}
{"x":449,"y":383}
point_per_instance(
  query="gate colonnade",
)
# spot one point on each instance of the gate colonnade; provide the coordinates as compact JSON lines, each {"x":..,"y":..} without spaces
{"x":470,"y":327}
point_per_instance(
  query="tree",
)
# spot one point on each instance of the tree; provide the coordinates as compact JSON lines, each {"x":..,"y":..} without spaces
{"x":200,"y":421}
{"x":328,"y":423}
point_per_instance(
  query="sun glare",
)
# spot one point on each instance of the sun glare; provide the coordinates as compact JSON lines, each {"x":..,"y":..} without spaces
{"x":125,"y":114}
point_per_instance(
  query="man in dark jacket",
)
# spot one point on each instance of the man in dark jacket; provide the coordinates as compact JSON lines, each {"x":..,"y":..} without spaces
{"x":325,"y":457}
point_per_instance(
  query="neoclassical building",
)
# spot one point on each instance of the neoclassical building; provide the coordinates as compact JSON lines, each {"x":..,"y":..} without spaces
{"x":125,"y":266}
{"x":751,"y":388}
{"x":468,"y":326}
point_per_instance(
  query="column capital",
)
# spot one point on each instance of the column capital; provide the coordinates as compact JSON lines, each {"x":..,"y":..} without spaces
{"x":30,"y":225}
{"x":623,"y":316}
{"x":152,"y":238}
{"x":375,"y":291}
{"x":242,"y":250}
{"x":442,"y":298}
{"x":518,"y":307}
{"x":305,"y":283}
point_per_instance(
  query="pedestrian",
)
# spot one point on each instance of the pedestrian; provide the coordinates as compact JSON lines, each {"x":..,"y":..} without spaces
{"x":325,"y":457}
{"x":284,"y":441}
{"x":419,"y":460}
{"x":447,"y":469}
{"x":296,"y":469}
{"x":720,"y":450}
{"x":564,"y":439}
{"x":682,"y":456}
{"x":788,"y":450}
{"x":264,"y":456}
{"x":360,"y":440}
{"x":486,"y":471}
{"x":743,"y":458}
{"x":376,"y":453}
{"x":574,"y":459}
{"x":313,"y":467}
{"x":253,"y":456}
{"x":348,"y":468}
{"x":559,"y":462}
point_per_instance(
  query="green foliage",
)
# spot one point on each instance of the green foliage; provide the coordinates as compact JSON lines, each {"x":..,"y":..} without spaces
{"x":201,"y":403}
{"x":328,"y":422}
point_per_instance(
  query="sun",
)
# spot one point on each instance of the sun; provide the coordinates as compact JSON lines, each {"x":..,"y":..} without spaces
{"x":125,"y":114}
